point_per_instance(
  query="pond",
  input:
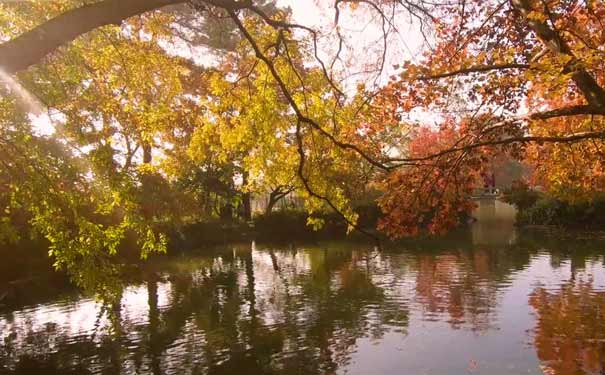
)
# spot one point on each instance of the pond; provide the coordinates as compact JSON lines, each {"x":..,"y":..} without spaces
{"x":527,"y":303}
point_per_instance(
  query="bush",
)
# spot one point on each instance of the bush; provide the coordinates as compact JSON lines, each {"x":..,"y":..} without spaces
{"x":551,"y":211}
{"x":282,"y":224}
{"x":286,"y":224}
{"x":521,"y":195}
{"x":209,"y":232}
{"x":545,"y":211}
{"x":278,"y":225}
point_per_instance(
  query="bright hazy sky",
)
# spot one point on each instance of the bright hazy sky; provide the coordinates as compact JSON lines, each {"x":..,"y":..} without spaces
{"x":363,"y":31}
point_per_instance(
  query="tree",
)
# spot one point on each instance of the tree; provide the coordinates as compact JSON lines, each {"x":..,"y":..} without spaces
{"x":247,"y":124}
{"x":85,"y":221}
{"x":288,"y":79}
{"x":489,"y":62}
{"x":116,"y":94}
{"x":436,"y":195}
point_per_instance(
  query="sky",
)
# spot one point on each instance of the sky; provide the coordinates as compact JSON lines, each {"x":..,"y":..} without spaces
{"x":363,"y":31}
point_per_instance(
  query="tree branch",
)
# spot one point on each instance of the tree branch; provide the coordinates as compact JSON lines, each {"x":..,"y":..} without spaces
{"x":572,"y":138}
{"x":586,"y":83}
{"x":29,"y":48}
{"x":289,"y":97}
{"x":475,"y":69}
{"x":559,"y":112}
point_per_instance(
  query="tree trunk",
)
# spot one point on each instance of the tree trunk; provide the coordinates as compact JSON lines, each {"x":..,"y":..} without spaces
{"x":153,"y":324}
{"x":146,"y":184}
{"x":246,"y":199}
{"x":147,"y":153}
{"x":274,"y":197}
{"x":272,"y":202}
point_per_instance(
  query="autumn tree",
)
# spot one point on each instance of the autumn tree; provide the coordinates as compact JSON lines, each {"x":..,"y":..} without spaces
{"x":519,"y":78}
{"x":117,"y":95}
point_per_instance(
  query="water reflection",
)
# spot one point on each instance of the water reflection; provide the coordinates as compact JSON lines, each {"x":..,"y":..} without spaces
{"x":570,"y":332}
{"x":495,"y":223}
{"x":457,"y":288}
{"x":438,"y":307}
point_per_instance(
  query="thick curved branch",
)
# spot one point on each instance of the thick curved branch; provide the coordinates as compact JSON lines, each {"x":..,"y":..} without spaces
{"x":29,"y":48}
{"x":474,"y":69}
{"x":559,"y":112}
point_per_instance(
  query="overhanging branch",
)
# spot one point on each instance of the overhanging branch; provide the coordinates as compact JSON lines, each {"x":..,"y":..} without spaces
{"x":586,"y":83}
{"x":30,"y":47}
{"x":545,"y":115}
{"x":474,"y":69}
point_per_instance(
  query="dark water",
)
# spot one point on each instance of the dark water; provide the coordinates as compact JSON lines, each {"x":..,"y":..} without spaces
{"x":460,"y":305}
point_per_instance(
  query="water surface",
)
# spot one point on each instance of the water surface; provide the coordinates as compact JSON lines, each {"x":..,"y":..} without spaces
{"x":522,"y":303}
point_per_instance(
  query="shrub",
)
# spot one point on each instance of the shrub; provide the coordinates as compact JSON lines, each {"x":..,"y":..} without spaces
{"x":589,"y":213}
{"x":544,"y":211}
{"x":521,"y":195}
{"x":282,"y":224}
{"x":285,"y":224}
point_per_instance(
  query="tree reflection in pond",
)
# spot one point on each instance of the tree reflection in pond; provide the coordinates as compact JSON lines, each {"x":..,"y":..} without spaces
{"x":570,"y":330}
{"x":438,"y":307}
{"x":457,"y":285}
{"x":221,"y":315}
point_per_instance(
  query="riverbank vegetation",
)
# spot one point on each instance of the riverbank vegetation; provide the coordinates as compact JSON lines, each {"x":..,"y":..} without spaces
{"x":543,"y":208}
{"x":130,"y":123}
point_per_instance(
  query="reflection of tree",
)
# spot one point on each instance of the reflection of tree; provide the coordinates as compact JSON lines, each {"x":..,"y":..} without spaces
{"x":570,"y":328}
{"x":563,"y":246}
{"x":53,"y":349}
{"x":309,"y":306}
{"x":240,"y":311}
{"x":346,"y":304}
{"x":282,"y":311}
{"x":464,"y":285}
{"x":153,"y":323}
{"x":300,"y":310}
